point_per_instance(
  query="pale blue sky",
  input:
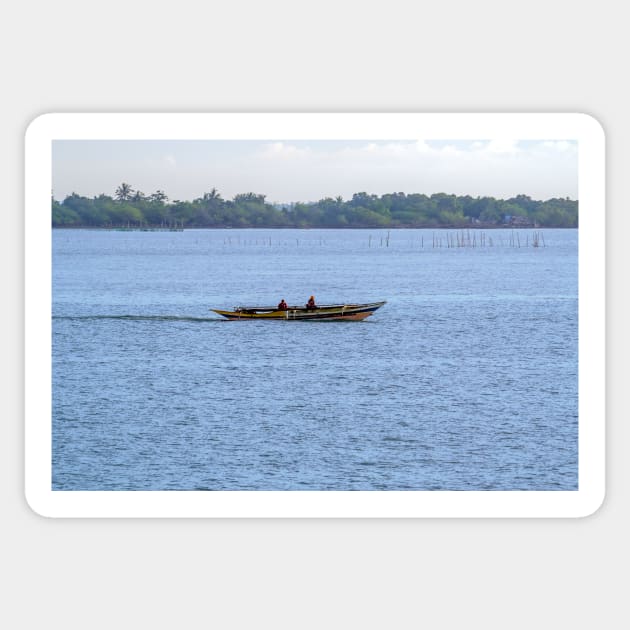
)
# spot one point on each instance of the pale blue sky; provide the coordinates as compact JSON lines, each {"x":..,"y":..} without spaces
{"x":308,"y":170}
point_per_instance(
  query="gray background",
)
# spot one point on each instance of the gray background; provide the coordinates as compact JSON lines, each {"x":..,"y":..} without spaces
{"x":324,"y":56}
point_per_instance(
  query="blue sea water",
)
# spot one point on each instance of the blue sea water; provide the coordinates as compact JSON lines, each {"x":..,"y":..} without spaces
{"x":465,"y":380}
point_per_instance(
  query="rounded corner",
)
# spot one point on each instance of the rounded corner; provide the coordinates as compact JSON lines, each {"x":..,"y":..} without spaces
{"x":592,"y":124}
{"x":33,"y":506}
{"x":593,"y":505}
{"x":38,"y":123}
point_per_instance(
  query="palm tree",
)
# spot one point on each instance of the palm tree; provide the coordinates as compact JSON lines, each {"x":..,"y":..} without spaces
{"x":212,"y":195}
{"x":124,"y":192}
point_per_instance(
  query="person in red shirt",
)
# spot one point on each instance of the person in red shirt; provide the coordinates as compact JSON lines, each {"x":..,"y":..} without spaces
{"x":311,"y":302}
{"x":282,"y":306}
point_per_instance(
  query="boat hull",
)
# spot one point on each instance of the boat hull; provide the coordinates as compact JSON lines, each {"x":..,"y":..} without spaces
{"x":336,"y":312}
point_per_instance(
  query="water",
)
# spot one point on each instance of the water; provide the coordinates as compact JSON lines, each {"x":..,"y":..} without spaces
{"x":465,"y":380}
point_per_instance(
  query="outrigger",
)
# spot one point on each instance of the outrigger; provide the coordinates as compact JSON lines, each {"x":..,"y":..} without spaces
{"x":353,"y":312}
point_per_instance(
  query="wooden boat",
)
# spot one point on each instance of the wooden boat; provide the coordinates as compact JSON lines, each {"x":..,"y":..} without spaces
{"x":325,"y":311}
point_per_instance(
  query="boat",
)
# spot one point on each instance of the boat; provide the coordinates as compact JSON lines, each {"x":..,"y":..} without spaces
{"x":351,"y":312}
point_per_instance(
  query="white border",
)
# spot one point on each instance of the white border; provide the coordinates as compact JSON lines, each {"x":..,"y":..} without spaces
{"x":582,"y":502}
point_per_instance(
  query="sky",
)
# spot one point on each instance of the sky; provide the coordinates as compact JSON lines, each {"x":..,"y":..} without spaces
{"x":308,"y":170}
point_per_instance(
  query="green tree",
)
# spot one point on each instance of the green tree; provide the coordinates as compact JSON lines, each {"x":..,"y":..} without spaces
{"x":362,"y":210}
{"x":158,"y":197}
{"x":124,"y":192}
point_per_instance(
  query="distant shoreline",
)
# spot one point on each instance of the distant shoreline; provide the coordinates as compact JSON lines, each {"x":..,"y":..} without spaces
{"x":130,"y":208}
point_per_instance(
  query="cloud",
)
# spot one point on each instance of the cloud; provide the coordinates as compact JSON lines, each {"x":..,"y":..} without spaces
{"x":501,"y":167}
{"x":559,"y":145}
{"x":303,"y":170}
{"x":421,"y":146}
{"x":451,"y":151}
{"x":502,"y":146}
{"x":282,"y":150}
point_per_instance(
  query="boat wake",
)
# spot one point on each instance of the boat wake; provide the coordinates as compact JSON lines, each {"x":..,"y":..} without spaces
{"x":140,"y":318}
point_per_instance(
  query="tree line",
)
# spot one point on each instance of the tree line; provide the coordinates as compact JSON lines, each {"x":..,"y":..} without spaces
{"x":129,"y":207}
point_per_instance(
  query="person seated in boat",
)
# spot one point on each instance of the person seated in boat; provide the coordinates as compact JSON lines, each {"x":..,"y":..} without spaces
{"x":311,"y":302}
{"x":283,"y":305}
